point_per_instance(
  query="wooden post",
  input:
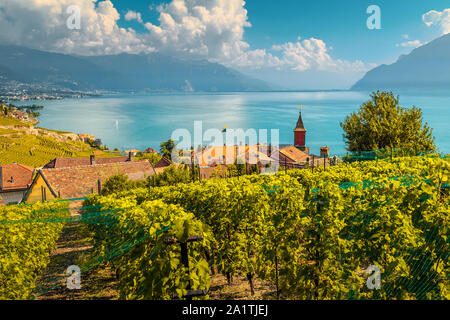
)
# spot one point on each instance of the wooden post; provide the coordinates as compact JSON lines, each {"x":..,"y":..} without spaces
{"x":99,"y":186}
{"x":185,"y":262}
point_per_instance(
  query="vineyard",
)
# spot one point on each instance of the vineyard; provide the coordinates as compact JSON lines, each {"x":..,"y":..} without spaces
{"x":27,"y":236}
{"x":36,"y":150}
{"x":309,"y":234}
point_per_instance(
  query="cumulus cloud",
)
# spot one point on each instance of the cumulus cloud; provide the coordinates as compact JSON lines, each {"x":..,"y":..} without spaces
{"x":133,"y":15}
{"x":42,"y":25}
{"x":438,"y":18}
{"x":410,"y":44}
{"x":303,"y":55}
{"x":207,"y":29}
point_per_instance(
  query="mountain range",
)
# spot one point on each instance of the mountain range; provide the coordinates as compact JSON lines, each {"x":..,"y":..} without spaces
{"x":122,"y":72}
{"x":426,"y":68}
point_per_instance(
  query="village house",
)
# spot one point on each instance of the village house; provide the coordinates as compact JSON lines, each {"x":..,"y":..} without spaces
{"x":92,"y":160}
{"x":150,"y":150}
{"x":298,"y":155}
{"x":287,"y":156}
{"x":132,"y":151}
{"x":14,"y":182}
{"x":80,"y":181}
{"x":86,"y":137}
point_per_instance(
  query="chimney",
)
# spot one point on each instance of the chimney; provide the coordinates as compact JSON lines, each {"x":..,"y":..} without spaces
{"x":130,"y":156}
{"x":92,"y":160}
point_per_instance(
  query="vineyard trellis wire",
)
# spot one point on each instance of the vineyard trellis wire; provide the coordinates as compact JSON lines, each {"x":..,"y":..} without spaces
{"x":420,"y":282}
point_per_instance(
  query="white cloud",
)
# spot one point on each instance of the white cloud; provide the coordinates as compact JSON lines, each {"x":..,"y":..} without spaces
{"x":438,"y":18}
{"x":409,"y":44}
{"x":133,"y":15}
{"x":405,"y":36}
{"x":207,"y":29}
{"x":212,"y":29}
{"x":308,"y":54}
{"x":42,"y":25}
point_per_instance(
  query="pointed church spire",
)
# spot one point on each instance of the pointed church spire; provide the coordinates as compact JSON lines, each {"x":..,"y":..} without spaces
{"x":300,"y":133}
{"x":300,"y":126}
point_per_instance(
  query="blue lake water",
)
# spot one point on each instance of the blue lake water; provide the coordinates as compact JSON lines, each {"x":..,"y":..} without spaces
{"x":141,"y":121}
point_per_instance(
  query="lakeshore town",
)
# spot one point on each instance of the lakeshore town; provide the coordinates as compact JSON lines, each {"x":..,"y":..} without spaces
{"x":77,"y":177}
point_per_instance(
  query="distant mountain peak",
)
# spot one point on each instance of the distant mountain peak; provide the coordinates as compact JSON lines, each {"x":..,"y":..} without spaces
{"x":426,"y":68}
{"x":121,"y":72}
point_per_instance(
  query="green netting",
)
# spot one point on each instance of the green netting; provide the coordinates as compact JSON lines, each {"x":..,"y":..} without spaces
{"x":422,"y":281}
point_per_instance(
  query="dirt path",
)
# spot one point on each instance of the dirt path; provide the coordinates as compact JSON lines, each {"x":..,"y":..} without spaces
{"x":98,"y":282}
{"x":74,"y":247}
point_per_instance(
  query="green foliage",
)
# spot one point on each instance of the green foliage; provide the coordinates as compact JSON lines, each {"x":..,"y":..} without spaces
{"x":8,"y":121}
{"x":26,"y":241}
{"x":314,"y":234}
{"x":147,"y":267}
{"x":120,"y":183}
{"x":381,"y":123}
{"x":37,"y":150}
{"x":152,"y":157}
{"x":166,"y":148}
{"x":173,"y":175}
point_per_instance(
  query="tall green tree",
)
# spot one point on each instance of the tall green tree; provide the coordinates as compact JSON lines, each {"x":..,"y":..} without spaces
{"x":382,"y":123}
{"x":166,"y":148}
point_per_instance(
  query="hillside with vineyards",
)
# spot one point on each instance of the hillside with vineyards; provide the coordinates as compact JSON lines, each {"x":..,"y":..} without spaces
{"x":299,"y":234}
{"x":33,"y":146}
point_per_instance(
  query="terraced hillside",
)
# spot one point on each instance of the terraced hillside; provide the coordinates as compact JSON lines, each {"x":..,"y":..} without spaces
{"x":22,"y":143}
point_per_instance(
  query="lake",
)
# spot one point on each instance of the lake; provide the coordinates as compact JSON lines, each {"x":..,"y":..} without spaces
{"x":141,"y":121}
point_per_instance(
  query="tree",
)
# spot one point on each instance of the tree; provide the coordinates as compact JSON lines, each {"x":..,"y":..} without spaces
{"x":381,"y":123}
{"x":174,"y":175}
{"x":119,"y":183}
{"x":115,"y":184}
{"x":152,"y":157}
{"x":167,"y":148}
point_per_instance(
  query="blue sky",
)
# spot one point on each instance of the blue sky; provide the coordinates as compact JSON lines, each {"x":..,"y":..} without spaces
{"x":294,"y":44}
{"x":340,"y":24}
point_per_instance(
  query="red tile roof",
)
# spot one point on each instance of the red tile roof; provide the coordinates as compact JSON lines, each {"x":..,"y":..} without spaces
{"x":74,"y":162}
{"x":295,"y":154}
{"x":15,"y":177}
{"x":164,"y":162}
{"x":74,"y":182}
{"x":300,"y":126}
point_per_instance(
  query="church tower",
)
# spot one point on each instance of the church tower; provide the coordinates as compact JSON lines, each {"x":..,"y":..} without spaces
{"x":300,"y":133}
